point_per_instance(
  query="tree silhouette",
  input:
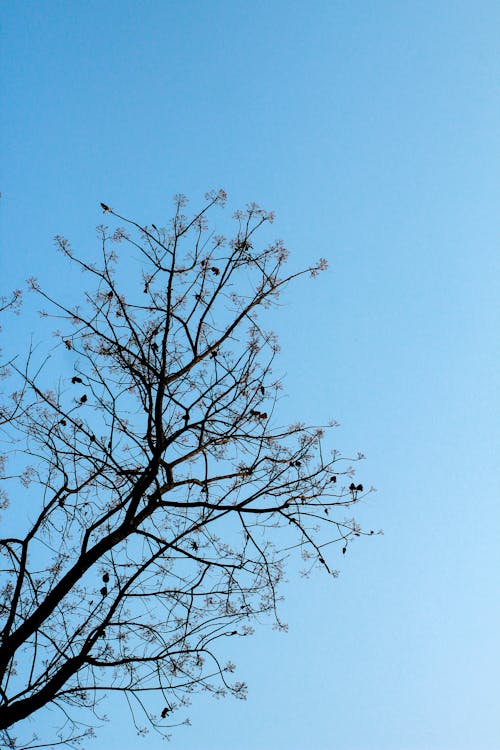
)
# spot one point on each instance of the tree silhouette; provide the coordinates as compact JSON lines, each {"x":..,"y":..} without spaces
{"x":165,"y":498}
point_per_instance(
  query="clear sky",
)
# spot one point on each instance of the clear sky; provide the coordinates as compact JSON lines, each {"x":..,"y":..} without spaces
{"x":373,"y":129}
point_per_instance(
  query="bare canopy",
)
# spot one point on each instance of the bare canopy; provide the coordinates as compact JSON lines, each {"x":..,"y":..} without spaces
{"x":164,"y":492}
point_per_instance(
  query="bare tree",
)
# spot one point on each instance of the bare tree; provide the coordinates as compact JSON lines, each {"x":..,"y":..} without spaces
{"x":164,"y":495}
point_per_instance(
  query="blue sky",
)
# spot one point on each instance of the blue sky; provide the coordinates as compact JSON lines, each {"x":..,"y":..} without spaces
{"x":372,"y":129}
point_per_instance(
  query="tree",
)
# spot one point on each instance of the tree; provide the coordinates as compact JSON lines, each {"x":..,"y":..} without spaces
{"x":164,"y":496}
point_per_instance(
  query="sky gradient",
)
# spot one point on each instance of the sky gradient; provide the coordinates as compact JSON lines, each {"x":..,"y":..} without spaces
{"x":373,"y":130}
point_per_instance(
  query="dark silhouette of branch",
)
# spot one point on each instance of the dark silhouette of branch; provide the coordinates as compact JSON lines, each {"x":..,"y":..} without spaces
{"x":165,"y":495}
